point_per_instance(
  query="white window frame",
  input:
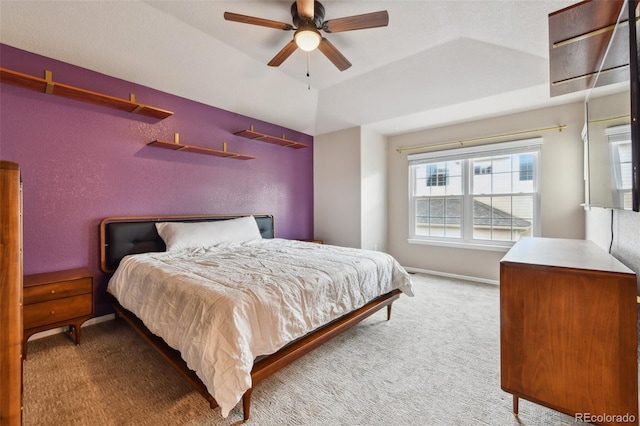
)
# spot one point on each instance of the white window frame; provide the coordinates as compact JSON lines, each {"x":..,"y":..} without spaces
{"x":469,"y":153}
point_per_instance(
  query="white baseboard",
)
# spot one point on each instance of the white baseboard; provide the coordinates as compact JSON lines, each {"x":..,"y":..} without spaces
{"x":59,"y":330}
{"x":448,"y":275}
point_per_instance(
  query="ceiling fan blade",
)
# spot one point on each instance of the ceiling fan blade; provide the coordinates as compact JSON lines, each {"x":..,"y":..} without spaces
{"x":244,"y":19}
{"x":334,"y":55}
{"x":283,"y":54}
{"x":357,"y":22}
{"x":305,"y":8}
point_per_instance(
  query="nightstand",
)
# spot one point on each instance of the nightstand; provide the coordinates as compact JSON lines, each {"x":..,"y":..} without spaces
{"x":56,"y":299}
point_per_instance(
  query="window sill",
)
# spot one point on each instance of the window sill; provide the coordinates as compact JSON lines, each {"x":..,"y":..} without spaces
{"x":456,"y":244}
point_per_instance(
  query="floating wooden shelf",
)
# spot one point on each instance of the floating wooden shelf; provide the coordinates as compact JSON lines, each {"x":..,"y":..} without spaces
{"x":47,"y":85}
{"x":252,"y":134}
{"x":177,"y":146}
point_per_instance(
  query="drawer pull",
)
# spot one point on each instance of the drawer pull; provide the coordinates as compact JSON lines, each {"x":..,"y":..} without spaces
{"x":53,"y":291}
{"x":53,"y":312}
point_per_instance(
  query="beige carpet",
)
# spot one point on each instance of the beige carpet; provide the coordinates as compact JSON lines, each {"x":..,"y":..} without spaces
{"x":435,"y":363}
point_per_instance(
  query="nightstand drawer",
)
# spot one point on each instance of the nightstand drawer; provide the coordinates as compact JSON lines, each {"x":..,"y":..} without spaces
{"x":38,"y":314}
{"x":43,"y":293}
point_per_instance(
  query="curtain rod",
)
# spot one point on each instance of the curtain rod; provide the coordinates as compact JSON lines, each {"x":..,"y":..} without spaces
{"x":602,"y":120}
{"x":461,"y":142}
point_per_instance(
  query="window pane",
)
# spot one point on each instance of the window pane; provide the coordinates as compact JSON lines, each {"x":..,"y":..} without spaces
{"x":522,"y":173}
{"x":455,"y":185}
{"x":520,"y":185}
{"x":492,"y":175}
{"x":627,"y":203}
{"x":482,"y":218}
{"x":440,"y":179}
{"x":501,"y":183}
{"x":525,"y":166}
{"x":438,"y":217}
{"x":422,"y":217}
{"x":453,"y":217}
{"x":482,"y":169}
{"x":624,"y":154}
{"x":420,"y":189}
{"x":502,"y":218}
{"x":437,"y":174}
{"x":503,"y":174}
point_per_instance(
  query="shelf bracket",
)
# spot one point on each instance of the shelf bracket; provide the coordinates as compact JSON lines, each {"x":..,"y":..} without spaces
{"x":224,"y":149}
{"x":176,"y":140}
{"x":48,"y":77}
{"x":132,"y":99}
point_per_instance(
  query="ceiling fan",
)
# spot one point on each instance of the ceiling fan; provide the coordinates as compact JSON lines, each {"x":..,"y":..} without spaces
{"x":308,"y":20}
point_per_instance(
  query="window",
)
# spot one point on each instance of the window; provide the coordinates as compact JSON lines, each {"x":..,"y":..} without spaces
{"x":621,"y":170}
{"x":482,"y":168}
{"x":437,"y":174}
{"x":526,"y":166}
{"x":483,"y":196}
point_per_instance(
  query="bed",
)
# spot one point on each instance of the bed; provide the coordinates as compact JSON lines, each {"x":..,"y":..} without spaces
{"x":228,"y":304}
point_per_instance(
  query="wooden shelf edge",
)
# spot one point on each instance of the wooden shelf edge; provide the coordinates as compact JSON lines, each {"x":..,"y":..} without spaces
{"x":262,"y":137}
{"x":78,"y":94}
{"x":200,"y":150}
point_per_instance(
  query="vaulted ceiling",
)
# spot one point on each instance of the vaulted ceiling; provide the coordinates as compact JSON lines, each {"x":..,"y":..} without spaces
{"x":437,"y":62}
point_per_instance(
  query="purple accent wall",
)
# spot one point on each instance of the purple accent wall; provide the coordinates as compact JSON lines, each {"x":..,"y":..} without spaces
{"x":81,"y":163}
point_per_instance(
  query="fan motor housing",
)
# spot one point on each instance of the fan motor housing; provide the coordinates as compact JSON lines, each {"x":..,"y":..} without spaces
{"x":318,"y":15}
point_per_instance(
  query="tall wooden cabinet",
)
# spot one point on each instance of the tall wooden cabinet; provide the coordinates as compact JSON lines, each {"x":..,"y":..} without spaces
{"x":10,"y":295}
{"x":568,"y":330}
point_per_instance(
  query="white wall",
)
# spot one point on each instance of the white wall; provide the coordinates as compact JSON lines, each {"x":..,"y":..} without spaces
{"x":373,"y":156}
{"x":337,"y":187}
{"x":562,"y":187}
{"x":350,"y":188}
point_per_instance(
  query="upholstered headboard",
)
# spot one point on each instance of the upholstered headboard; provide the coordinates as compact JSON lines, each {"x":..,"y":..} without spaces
{"x":121,"y":236}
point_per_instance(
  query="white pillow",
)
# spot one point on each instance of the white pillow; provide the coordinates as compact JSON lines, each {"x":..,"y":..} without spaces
{"x":181,"y":235}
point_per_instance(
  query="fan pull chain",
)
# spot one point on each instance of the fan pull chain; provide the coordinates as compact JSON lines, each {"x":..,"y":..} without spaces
{"x":308,"y":66}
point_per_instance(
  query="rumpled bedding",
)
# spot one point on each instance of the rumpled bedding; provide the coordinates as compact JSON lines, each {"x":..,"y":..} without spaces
{"x":223,"y":306}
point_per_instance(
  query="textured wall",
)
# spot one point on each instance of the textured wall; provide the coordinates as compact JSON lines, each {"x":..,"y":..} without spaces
{"x":82,"y":162}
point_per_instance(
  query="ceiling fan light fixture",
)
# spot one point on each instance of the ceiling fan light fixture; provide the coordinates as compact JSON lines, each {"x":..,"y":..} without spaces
{"x":307,"y":39}
{"x":307,"y":23}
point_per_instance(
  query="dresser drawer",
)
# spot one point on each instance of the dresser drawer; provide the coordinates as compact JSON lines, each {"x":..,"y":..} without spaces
{"x":43,"y":313}
{"x":58,"y":290}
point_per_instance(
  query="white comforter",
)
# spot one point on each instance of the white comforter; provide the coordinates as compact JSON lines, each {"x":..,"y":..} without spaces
{"x":224,"y":306}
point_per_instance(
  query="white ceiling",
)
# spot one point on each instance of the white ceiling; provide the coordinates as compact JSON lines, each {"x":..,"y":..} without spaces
{"x":438,"y":62}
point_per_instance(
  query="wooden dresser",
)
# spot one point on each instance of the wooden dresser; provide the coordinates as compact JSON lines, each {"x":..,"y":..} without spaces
{"x":10,"y":294}
{"x":57,"y":299}
{"x":568,"y":330}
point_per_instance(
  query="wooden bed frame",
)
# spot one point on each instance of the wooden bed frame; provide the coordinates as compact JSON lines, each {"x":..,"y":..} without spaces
{"x":137,"y":235}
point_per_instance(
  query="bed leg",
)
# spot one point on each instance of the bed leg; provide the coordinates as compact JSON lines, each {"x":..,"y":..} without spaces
{"x":246,"y":404}
{"x":388,"y":312}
